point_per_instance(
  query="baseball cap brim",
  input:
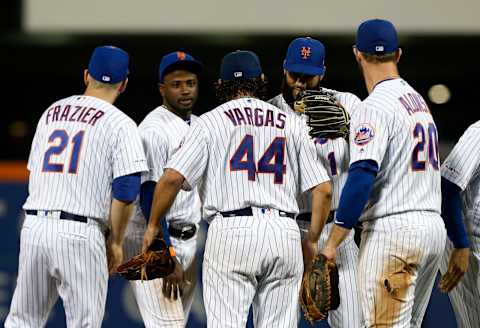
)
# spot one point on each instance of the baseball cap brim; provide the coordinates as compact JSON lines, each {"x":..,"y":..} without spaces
{"x":305,"y":69}
{"x":193,"y":66}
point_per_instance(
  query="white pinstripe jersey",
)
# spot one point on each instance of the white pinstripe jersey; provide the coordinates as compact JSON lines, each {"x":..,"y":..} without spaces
{"x":81,"y":144}
{"x":334,"y":153}
{"x":161,"y":132}
{"x":393,"y":126}
{"x":462,"y":167}
{"x":247,"y":152}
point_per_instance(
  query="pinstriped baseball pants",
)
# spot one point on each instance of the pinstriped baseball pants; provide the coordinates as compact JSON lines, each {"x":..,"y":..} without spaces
{"x":256,"y":261}
{"x":465,"y":297}
{"x":60,"y":258}
{"x":399,"y":260}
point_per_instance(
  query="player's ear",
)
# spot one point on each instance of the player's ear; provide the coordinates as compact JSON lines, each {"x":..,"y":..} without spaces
{"x":262,"y":76}
{"x":398,"y":55}
{"x":161,"y":89}
{"x":357,"y":54}
{"x":85,"y":77}
{"x":123,"y":86}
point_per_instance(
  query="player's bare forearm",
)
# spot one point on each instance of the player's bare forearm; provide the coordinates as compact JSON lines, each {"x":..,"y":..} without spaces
{"x":119,"y":216}
{"x":165,"y":192}
{"x":321,"y":202}
{"x":337,"y":236}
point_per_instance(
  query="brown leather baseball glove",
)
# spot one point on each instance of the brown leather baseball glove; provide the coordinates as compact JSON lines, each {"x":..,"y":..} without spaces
{"x":319,"y":292}
{"x":149,"y":265}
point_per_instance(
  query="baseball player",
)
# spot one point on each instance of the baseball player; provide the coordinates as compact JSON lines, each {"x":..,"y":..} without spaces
{"x":393,"y":186}
{"x":304,"y":69}
{"x":461,"y":193}
{"x":250,"y":161}
{"x":161,"y":132}
{"x":85,"y":165}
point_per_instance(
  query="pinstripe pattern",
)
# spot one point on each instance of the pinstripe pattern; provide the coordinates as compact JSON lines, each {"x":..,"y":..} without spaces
{"x":161,"y":133}
{"x":67,"y":258}
{"x":60,"y":258}
{"x":404,"y":235}
{"x":111,"y":148}
{"x":397,"y":188}
{"x":462,"y":167}
{"x":249,"y":260}
{"x":259,"y":265}
{"x":349,"y":313}
{"x":207,"y":149}
{"x":404,"y":250}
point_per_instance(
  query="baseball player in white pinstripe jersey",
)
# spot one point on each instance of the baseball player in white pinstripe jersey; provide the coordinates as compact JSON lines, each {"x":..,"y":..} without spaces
{"x":461,"y":212}
{"x":161,"y":132}
{"x":250,"y":160}
{"x":85,"y":152}
{"x":304,"y":68}
{"x":393,"y":184}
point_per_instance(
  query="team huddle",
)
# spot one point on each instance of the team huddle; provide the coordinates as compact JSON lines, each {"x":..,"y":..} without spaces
{"x":276,"y":196}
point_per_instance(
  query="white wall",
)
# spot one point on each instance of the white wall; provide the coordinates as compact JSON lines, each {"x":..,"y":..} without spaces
{"x":262,"y":16}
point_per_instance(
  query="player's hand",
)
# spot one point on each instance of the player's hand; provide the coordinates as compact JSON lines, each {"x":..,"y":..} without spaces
{"x":330,"y":253}
{"x":457,"y":266}
{"x":150,"y":234}
{"x":114,"y":256}
{"x":309,"y":251}
{"x":174,"y":283}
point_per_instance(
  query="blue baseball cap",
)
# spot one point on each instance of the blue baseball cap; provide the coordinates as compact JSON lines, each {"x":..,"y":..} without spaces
{"x":108,"y":64}
{"x":178,"y":60}
{"x":305,"y":56}
{"x":377,"y":37}
{"x":240,"y":64}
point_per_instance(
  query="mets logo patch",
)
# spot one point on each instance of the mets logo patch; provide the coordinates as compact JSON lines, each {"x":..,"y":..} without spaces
{"x":363,"y":134}
{"x":306,"y":52}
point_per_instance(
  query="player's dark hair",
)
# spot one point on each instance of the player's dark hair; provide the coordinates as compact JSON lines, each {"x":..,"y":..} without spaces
{"x":228,"y":90}
{"x":380,"y":59}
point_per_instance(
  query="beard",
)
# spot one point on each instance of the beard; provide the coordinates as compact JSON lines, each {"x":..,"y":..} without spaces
{"x":288,"y":91}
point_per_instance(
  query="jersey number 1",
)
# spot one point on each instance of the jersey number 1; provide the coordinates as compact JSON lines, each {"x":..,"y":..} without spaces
{"x":272,"y":160}
{"x":59,"y":148}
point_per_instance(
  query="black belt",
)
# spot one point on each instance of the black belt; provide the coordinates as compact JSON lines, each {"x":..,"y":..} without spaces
{"x":63,"y":216}
{"x":247,"y":211}
{"x":307,"y":217}
{"x":182,"y":230}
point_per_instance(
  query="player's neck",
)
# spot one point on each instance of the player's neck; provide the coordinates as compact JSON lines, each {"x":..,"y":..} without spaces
{"x":183,"y":115}
{"x":379,"y":72}
{"x":242,"y":94}
{"x":108,"y":96}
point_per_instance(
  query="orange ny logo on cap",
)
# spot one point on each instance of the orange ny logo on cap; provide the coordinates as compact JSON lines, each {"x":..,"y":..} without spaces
{"x":181,"y":55}
{"x":306,"y":52}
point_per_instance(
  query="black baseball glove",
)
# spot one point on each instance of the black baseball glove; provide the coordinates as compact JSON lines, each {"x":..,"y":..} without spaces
{"x":325,"y":116}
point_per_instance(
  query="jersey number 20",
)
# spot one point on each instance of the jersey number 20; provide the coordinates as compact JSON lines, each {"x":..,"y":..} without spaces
{"x":59,"y":148}
{"x":272,"y":160}
{"x":431,"y":139}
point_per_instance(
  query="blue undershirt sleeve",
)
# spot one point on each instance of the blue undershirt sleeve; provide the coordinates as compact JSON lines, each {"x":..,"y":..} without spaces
{"x":146,"y":198}
{"x":126,"y":187}
{"x":355,"y":193}
{"x":452,"y":214}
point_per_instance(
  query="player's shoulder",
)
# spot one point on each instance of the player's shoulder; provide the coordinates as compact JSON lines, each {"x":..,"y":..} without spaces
{"x":279,"y":102}
{"x":347,"y":99}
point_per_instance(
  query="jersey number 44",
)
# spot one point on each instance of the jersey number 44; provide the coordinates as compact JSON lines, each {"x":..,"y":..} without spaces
{"x":272,"y":161}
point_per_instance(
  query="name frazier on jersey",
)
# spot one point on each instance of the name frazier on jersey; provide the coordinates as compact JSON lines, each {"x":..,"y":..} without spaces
{"x":71,"y":113}
{"x":255,"y":117}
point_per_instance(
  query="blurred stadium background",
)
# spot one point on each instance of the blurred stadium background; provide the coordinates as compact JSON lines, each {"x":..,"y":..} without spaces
{"x":46,"y":44}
